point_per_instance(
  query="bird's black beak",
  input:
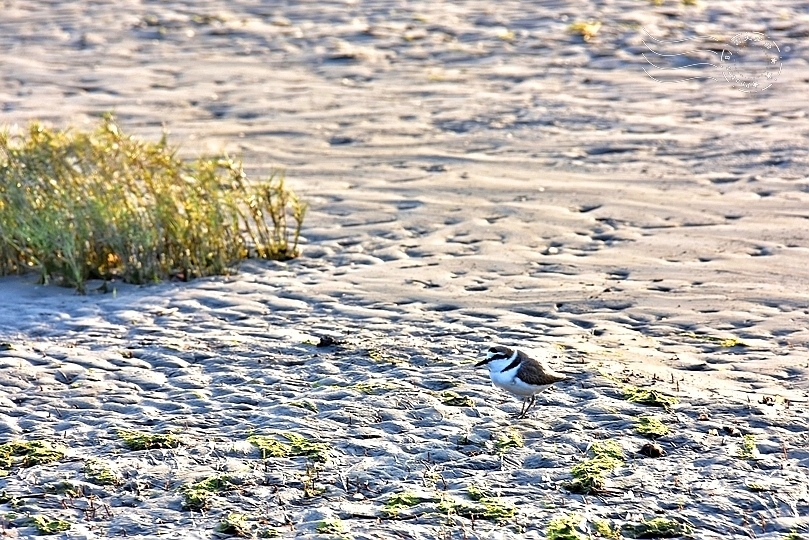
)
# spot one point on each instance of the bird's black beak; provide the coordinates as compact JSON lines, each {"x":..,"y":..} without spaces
{"x":483,"y":362}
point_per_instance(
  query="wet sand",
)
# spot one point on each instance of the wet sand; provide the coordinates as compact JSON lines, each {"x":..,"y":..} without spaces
{"x":476,"y":175}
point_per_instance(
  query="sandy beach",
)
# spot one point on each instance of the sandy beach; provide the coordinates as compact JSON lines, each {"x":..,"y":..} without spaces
{"x":476,"y":175}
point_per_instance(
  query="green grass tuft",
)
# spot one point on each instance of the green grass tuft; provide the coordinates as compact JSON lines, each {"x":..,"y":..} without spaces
{"x":28,"y":454}
{"x":45,"y":525}
{"x":646,"y":396}
{"x":82,"y":205}
{"x":138,"y":440}
{"x":651,"y":427}
{"x":588,"y":476}
{"x":658,"y":528}
{"x":565,"y":528}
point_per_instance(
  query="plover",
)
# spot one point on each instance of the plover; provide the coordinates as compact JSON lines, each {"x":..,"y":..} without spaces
{"x":518,"y":374}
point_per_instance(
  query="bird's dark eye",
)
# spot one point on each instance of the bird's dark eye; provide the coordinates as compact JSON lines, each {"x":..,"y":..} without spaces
{"x":492,"y":349}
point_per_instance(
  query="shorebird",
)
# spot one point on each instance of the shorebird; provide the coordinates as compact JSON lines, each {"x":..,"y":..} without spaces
{"x":518,"y":374}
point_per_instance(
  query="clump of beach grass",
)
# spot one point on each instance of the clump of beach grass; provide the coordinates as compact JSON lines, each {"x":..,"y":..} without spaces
{"x":81,"y":205}
{"x":138,"y":440}
{"x":589,"y":475}
{"x":29,"y":453}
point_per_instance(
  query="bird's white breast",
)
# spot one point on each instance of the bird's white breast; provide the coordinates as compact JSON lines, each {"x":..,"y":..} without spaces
{"x":507,"y":380}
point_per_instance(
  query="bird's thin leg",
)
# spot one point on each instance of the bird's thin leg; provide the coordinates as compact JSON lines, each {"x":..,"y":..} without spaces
{"x":531,"y":403}
{"x":522,"y":411}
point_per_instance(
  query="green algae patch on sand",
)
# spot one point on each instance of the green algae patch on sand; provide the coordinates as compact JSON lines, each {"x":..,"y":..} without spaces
{"x":138,"y":440}
{"x":297,"y":445}
{"x":491,"y":511}
{"x":199,"y":495}
{"x":406,"y":499}
{"x":28,"y":454}
{"x":659,"y":527}
{"x":301,"y":446}
{"x":586,"y":29}
{"x":332,"y":527}
{"x":47,"y":526}
{"x":604,"y":529}
{"x":484,"y":507}
{"x":454,"y":399}
{"x":566,"y":527}
{"x":234,"y":524}
{"x":305,"y":404}
{"x":100,"y":474}
{"x":748,"y":448}
{"x":651,"y":427}
{"x":510,"y":439}
{"x":726,"y":343}
{"x":269,"y":446}
{"x":589,"y":475}
{"x":651,"y":397}
{"x":63,"y":488}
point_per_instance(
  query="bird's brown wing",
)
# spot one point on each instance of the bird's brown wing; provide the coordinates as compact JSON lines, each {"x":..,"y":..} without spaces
{"x":533,"y":372}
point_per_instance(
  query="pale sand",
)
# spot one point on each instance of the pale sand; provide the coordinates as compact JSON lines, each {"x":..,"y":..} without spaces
{"x":465,"y":189}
